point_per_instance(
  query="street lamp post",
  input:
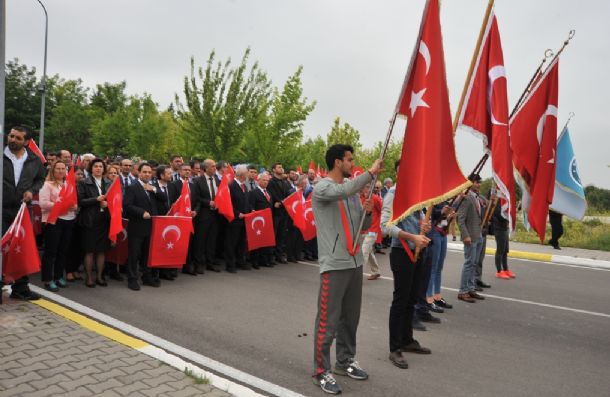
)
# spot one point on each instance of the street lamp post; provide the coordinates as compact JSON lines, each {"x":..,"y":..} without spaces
{"x":43,"y":83}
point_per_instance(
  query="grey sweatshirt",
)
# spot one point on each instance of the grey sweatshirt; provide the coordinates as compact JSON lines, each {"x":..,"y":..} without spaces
{"x":332,"y":242}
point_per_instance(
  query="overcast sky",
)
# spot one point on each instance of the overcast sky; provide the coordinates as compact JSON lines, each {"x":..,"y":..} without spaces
{"x":354,"y":53}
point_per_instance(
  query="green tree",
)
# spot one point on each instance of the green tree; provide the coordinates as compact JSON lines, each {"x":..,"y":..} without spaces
{"x":367,"y":156}
{"x":22,"y":106}
{"x":344,"y":134}
{"x":222,"y":103}
{"x":311,"y":150}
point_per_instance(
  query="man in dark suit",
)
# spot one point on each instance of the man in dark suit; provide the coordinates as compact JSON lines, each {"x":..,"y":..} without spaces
{"x":279,"y":189}
{"x":260,"y":200}
{"x":175,"y":189}
{"x":163,"y":179}
{"x":203,"y":196}
{"x":140,"y":204}
{"x":235,"y":241}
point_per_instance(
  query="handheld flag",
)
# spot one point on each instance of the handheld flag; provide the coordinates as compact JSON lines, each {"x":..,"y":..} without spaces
{"x":169,"y":241}
{"x":118,"y":254}
{"x":19,"y":252}
{"x":65,"y":200}
{"x":569,"y":196}
{"x":223,"y":196}
{"x":34,"y":148}
{"x":114,"y":198}
{"x":259,"y":229}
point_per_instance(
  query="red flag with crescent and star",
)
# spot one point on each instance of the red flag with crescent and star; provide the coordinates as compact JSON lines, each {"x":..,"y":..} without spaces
{"x":34,"y":148}
{"x":356,"y":172}
{"x":182,"y":206}
{"x":169,"y":241}
{"x":294,"y":207}
{"x":19,"y":252}
{"x":429,"y":172}
{"x":119,"y":253}
{"x":223,"y":196}
{"x":259,"y":229}
{"x":312,"y":166}
{"x":533,"y":131}
{"x":485,"y":113}
{"x":309,"y":231}
{"x":65,"y":200}
{"x":114,"y":198}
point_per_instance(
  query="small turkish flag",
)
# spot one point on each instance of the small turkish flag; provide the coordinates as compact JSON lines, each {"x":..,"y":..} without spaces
{"x":169,"y":241}
{"x":309,"y":230}
{"x":312,"y":165}
{"x":223,"y":197}
{"x":259,"y":229}
{"x":182,"y":206}
{"x":118,"y":254}
{"x":19,"y":252}
{"x":114,"y":198}
{"x":534,"y":140}
{"x":34,"y":148}
{"x":65,"y":200}
{"x":299,"y":170}
{"x":294,"y":207}
{"x":356,"y":172}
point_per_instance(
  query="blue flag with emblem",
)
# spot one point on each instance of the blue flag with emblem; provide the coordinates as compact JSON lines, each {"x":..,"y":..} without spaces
{"x":569,"y":198}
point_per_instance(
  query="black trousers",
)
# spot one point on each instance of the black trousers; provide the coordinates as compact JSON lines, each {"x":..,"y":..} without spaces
{"x":76,"y":250}
{"x":262,"y":256}
{"x":8,"y":216}
{"x":294,"y":243}
{"x":501,"y":249}
{"x":311,"y":248}
{"x":206,"y":233}
{"x":235,"y":244}
{"x":280,"y":225}
{"x":138,"y":247}
{"x":556,"y":228}
{"x":57,"y":239}
{"x":407,"y":275}
{"x":421,"y":281}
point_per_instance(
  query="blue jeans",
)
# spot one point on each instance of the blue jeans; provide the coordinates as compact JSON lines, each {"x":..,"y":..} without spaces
{"x":471,"y":256}
{"x":438,"y":251}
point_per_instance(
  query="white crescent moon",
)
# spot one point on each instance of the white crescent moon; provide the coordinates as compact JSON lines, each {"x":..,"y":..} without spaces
{"x":494,"y":73}
{"x":171,"y":228}
{"x":21,"y":231}
{"x":551,"y":110}
{"x":258,"y":218}
{"x":423,"y":50}
{"x":124,"y":232}
{"x":357,"y":173}
{"x":293,"y":205}
{"x":307,"y":211}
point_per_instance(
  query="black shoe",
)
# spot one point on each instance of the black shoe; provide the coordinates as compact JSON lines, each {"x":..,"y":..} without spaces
{"x":415,"y":347}
{"x":443,"y":303}
{"x":244,"y":267}
{"x":398,"y":360}
{"x":428,"y":318}
{"x":482,"y":284}
{"x":418,"y":325}
{"x":151,"y":282}
{"x":164,"y":276}
{"x":116,"y":276}
{"x":433,"y":307}
{"x":133,"y":285}
{"x":25,"y":295}
{"x":199,"y":269}
{"x":478,"y":289}
{"x":281,"y":260}
{"x":231,"y":270}
{"x":214,"y":268}
{"x":353,"y":370}
{"x":189,"y":271}
{"x":101,"y":283}
{"x":327,"y":382}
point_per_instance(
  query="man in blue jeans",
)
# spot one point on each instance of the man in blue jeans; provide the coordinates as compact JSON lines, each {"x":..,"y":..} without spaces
{"x":469,"y":217}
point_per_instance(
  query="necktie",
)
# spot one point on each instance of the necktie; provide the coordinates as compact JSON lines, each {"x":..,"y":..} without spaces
{"x":126,"y":181}
{"x":212,"y":191}
{"x":243,"y":188}
{"x":266,"y":195}
{"x":251,"y":185}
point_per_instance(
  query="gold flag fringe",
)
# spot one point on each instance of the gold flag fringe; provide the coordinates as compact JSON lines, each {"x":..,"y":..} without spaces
{"x":433,"y":201}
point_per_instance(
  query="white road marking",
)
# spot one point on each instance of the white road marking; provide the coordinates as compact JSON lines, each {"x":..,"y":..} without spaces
{"x":159,"y":345}
{"x":505,"y":298}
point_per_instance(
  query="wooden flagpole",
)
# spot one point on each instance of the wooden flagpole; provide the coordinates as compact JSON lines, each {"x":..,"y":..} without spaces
{"x":473,"y":61}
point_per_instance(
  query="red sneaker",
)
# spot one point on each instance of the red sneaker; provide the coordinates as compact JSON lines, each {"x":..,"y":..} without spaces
{"x":503,"y":275}
{"x":510,"y":274}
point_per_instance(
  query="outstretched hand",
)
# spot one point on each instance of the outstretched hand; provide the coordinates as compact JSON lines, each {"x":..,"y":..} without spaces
{"x":377,"y":167}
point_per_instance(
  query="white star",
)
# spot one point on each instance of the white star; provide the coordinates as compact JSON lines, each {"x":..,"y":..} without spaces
{"x":417,"y":101}
{"x":552,"y":160}
{"x":18,"y":249}
{"x":6,"y":248}
{"x":258,"y":232}
{"x":313,"y":223}
{"x":170,"y":246}
{"x":36,"y":218}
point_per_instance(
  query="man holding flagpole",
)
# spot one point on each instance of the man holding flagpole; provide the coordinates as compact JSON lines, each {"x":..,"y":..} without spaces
{"x":338,"y":212}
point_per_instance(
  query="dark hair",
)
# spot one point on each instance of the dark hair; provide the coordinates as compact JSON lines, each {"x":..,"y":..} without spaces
{"x":252,"y":167}
{"x":92,"y":163}
{"x":274,"y":165}
{"x":25,"y":130}
{"x":336,"y":152}
{"x":193,"y":162}
{"x":174,"y":157}
{"x":185,"y":165}
{"x":153,"y":163}
{"x":396,"y":165}
{"x":220,"y":164}
{"x":161,"y":170}
{"x":142,"y":165}
{"x":474,"y":178}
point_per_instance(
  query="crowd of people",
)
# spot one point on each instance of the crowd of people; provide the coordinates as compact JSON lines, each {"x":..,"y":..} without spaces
{"x":418,"y":243}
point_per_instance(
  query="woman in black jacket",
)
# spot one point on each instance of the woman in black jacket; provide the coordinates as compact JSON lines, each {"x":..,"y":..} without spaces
{"x":95,"y":220}
{"x":499,"y":225}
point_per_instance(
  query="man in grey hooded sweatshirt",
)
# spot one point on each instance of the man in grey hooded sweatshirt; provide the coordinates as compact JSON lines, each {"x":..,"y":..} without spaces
{"x":338,"y":212}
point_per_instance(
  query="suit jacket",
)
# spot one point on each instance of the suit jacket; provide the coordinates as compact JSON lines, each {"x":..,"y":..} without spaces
{"x":469,"y":218}
{"x":135,"y":203}
{"x":175,"y":188}
{"x":258,"y":201}
{"x":201,"y":196}
{"x":249,"y":186}
{"x":279,"y":190}
{"x":165,"y":204}
{"x":239,"y":198}
{"x":87,"y":194}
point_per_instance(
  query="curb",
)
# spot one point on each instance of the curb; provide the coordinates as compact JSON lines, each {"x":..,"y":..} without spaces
{"x":541,"y":257}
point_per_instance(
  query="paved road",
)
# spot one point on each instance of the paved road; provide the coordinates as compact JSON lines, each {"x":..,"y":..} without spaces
{"x":499,"y":347}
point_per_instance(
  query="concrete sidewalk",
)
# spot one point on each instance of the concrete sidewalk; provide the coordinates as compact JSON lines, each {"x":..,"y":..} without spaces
{"x":546,"y":253}
{"x":44,"y":354}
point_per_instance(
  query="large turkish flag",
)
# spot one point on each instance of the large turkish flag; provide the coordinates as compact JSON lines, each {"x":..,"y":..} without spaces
{"x":19,"y":252}
{"x":259,"y":229}
{"x":169,"y":241}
